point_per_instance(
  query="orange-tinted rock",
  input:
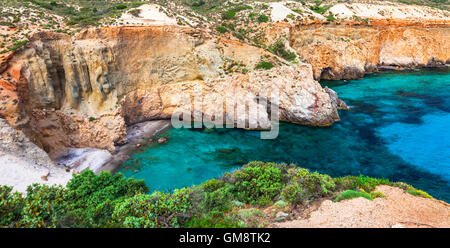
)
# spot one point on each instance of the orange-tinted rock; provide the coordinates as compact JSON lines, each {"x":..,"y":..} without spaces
{"x":348,"y":51}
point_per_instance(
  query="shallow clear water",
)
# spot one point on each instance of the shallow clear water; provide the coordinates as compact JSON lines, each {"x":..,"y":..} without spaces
{"x":397,"y":129}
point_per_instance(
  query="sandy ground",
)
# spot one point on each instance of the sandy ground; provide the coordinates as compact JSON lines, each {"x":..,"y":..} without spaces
{"x":388,"y":10}
{"x":279,"y":11}
{"x":80,"y":159}
{"x":150,"y":15}
{"x":397,"y":209}
{"x":19,"y":173}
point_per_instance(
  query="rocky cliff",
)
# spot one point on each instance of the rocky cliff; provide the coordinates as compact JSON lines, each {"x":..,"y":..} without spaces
{"x":83,"y":91}
{"x":348,"y":50}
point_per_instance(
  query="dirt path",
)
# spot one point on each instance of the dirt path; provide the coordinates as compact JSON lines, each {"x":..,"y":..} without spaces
{"x":397,"y":209}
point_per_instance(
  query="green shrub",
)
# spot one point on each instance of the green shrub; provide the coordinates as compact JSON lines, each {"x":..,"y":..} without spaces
{"x":216,"y":219}
{"x":120,"y":6}
{"x":106,"y":200}
{"x":221,"y":29}
{"x":376,"y":194}
{"x":156,"y":210}
{"x":230,"y":14}
{"x":411,"y":190}
{"x":330,"y":17}
{"x":239,"y":35}
{"x":420,"y":193}
{"x":263,"y":18}
{"x":219,"y":199}
{"x":212,"y":185}
{"x":257,"y":183}
{"x":92,"y":197}
{"x":264,"y":65}
{"x":350,"y":194}
{"x":11,"y":207}
{"x":305,"y":186}
{"x":319,"y":9}
{"x":293,"y":193}
{"x":318,"y":185}
{"x":368,"y":184}
{"x":195,"y":3}
{"x":18,"y":45}
{"x":44,"y":206}
{"x":279,"y":49}
{"x":135,"y":212}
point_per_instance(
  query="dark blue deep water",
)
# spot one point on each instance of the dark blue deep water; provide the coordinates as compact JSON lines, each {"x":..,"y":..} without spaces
{"x":398,"y":129}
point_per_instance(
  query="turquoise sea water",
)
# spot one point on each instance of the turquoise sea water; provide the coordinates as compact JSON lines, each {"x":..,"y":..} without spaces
{"x":397,"y":129}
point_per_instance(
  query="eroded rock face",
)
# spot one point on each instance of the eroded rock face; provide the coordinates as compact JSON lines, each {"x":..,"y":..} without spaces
{"x":83,"y":91}
{"x":56,"y":130}
{"x":349,"y":51}
{"x":301,"y":99}
{"x":16,"y":143}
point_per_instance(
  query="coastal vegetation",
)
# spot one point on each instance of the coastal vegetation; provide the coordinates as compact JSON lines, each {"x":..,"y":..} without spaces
{"x":236,"y":199}
{"x":350,"y":194}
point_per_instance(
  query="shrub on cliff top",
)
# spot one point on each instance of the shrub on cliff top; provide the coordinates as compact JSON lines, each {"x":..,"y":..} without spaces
{"x":368,"y":184}
{"x":156,"y":210}
{"x":420,"y":193}
{"x":257,"y":183}
{"x":279,"y":49}
{"x":44,"y":206}
{"x":264,"y":65}
{"x":230,"y":14}
{"x":263,"y":18}
{"x":351,"y":194}
{"x":107,"y":200}
{"x":11,"y":206}
{"x":304,"y":186}
{"x":92,"y":197}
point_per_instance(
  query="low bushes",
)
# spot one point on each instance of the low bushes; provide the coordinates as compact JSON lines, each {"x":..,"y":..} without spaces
{"x":230,"y":14}
{"x":257,"y":183}
{"x":156,"y":210}
{"x":263,"y":18}
{"x":264,"y":65}
{"x":233,"y":200}
{"x":279,"y":49}
{"x":366,"y":183}
{"x":420,"y":193}
{"x":350,"y":194}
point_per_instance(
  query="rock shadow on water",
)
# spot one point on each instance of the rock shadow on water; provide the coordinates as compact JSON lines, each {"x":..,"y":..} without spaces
{"x":437,"y":102}
{"x":230,"y":156}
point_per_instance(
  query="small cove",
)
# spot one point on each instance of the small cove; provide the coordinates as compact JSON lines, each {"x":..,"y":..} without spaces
{"x":397,"y":129}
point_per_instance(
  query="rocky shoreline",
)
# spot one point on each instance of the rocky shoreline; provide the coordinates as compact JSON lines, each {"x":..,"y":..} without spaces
{"x":86,"y":106}
{"x":97,"y":160}
{"x":138,"y":135}
{"x":22,"y":163}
